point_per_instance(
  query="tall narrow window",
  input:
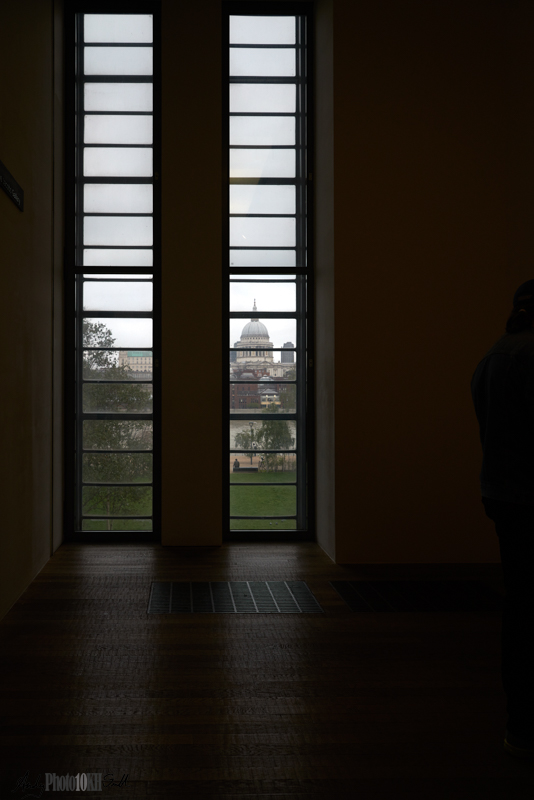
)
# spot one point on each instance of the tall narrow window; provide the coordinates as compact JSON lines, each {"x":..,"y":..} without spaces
{"x":112,"y":263}
{"x":268,"y":261}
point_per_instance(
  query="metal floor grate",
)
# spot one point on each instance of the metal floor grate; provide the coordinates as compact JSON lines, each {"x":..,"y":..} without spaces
{"x":419,"y":595}
{"x":232,"y":597}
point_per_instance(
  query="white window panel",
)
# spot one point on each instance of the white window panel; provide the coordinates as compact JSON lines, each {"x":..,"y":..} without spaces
{"x":262,"y":30}
{"x":118,"y":97}
{"x":118,"y":60}
{"x":262,"y":62}
{"x":118,"y":28}
{"x":106,"y":198}
{"x":262,"y":130}
{"x":262,"y":163}
{"x":122,"y":296}
{"x":118,"y":258}
{"x":262,"y":232}
{"x":118,"y":231}
{"x":262,"y":97}
{"x":272,"y":296}
{"x":258,"y":199}
{"x":119,"y":129}
{"x":118,"y":162}
{"x":263,"y":258}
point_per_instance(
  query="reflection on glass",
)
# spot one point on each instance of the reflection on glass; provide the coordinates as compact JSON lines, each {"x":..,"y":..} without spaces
{"x":117,"y":501}
{"x":122,"y":296}
{"x":119,"y":162}
{"x":118,"y":28}
{"x":118,"y":129}
{"x":118,"y":97}
{"x":117,"y":230}
{"x":117,"y":468}
{"x":259,"y":199}
{"x":118,"y":61}
{"x":118,"y":258}
{"x":261,"y":62}
{"x":262,"y":435}
{"x":262,"y":30}
{"x":117,"y":365}
{"x":263,"y":258}
{"x":262,"y":97}
{"x":104,"y":434}
{"x":117,"y":398}
{"x":118,"y":198}
{"x":261,"y":501}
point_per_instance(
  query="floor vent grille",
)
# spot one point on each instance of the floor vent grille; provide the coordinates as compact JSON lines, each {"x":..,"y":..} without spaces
{"x":448,"y":596}
{"x":232,"y":597}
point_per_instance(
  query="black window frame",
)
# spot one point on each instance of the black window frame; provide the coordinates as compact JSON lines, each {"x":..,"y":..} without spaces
{"x":305,"y":412}
{"x":73,"y":272}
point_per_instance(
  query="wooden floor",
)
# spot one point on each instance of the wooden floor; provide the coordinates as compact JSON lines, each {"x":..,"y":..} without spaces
{"x":333,"y":705}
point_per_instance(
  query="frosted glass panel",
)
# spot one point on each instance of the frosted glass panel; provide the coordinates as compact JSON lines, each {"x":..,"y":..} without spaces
{"x":105,"y":198}
{"x":268,"y":296}
{"x":258,"y":97}
{"x":262,"y":232}
{"x":118,"y":97}
{"x":122,"y":276}
{"x":118,"y":129}
{"x":118,"y":258}
{"x":262,"y":130}
{"x":127,"y":332}
{"x":262,"y":163}
{"x":118,"y":28}
{"x":262,"y":199}
{"x":118,"y":61}
{"x":245,"y":61}
{"x":262,"y":30}
{"x":118,"y":162}
{"x":122,"y":296}
{"x":118,"y":230}
{"x":263,"y":258}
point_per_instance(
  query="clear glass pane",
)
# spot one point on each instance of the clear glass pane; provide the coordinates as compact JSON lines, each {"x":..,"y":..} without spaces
{"x":117,"y":398}
{"x":118,"y":97}
{"x":117,"y":231}
{"x":120,"y":129}
{"x":109,"y":296}
{"x":262,"y":232}
{"x":268,"y":395}
{"x":104,"y":434}
{"x":262,"y":30}
{"x":259,"y":199}
{"x":119,"y":162}
{"x":267,"y":296}
{"x":118,"y":28}
{"x":262,"y":97}
{"x":259,"y":62}
{"x":263,"y":258}
{"x":117,"y":467}
{"x":257,"y":332}
{"x":263,"y":524}
{"x":262,"y":163}
{"x":117,"y":524}
{"x":261,"y":436}
{"x":117,"y":365}
{"x":275,"y":468}
{"x":118,"y":332}
{"x":259,"y":501}
{"x":262,"y":130}
{"x":121,"y":198}
{"x":119,"y":61}
{"x":118,"y":258}
{"x":117,"y":501}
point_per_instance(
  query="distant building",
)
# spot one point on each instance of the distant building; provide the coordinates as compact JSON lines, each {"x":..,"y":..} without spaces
{"x":288,"y":358}
{"x":138,"y":361}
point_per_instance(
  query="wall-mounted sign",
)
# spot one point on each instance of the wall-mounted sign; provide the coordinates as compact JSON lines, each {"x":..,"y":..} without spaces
{"x":11,"y":187}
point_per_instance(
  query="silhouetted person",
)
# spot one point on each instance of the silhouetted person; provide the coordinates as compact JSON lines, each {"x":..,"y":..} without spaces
{"x":503,"y":393}
{"x":236,"y":464}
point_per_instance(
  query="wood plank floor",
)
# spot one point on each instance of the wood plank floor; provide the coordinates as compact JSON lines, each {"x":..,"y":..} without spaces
{"x":333,"y":705}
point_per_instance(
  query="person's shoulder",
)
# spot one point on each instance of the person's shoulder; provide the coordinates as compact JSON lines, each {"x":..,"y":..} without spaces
{"x":518,"y":345}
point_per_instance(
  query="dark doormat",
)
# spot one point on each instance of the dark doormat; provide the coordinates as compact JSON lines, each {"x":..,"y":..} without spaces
{"x":232,"y":597}
{"x":419,"y":595}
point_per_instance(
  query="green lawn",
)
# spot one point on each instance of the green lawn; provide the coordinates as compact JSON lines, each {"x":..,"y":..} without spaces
{"x":263,"y":477}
